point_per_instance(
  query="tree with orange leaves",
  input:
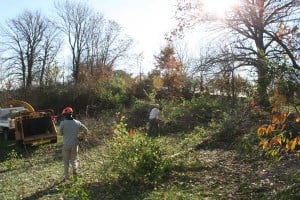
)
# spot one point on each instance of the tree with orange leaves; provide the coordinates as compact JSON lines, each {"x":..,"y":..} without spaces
{"x":171,"y":71}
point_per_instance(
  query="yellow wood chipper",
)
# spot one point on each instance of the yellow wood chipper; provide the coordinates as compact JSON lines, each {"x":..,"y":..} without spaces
{"x":21,"y":122}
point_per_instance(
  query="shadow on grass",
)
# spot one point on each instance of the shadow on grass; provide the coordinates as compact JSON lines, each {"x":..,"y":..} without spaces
{"x":182,"y":172}
{"x":8,"y":146}
{"x":215,"y":143}
{"x":49,"y":191}
{"x":120,"y":190}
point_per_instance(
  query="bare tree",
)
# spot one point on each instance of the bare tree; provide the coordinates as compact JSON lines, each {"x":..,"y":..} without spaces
{"x":51,"y":45}
{"x":22,"y":45}
{"x":114,"y":45}
{"x":106,"y":44}
{"x":183,"y":54}
{"x":253,"y":30}
{"x":94,"y":41}
{"x":74,"y":22}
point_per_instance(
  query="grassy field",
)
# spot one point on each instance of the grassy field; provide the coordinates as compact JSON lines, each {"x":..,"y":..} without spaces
{"x":202,"y":168}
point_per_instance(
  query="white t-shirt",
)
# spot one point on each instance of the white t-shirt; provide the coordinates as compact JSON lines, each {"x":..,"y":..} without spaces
{"x":154,"y":113}
{"x":69,"y":129}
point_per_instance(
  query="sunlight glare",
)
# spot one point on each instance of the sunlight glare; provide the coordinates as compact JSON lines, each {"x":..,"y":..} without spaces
{"x":218,"y":7}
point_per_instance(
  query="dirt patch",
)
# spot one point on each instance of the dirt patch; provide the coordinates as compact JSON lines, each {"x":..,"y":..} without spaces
{"x":230,"y":176}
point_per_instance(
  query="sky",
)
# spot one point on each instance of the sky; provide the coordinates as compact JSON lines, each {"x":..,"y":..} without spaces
{"x":146,"y":21}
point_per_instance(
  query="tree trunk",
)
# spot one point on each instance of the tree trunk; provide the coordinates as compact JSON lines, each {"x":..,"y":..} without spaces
{"x":263,"y":82}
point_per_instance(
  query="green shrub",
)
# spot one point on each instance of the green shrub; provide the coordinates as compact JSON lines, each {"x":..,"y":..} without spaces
{"x":192,"y":139}
{"x":138,"y":115}
{"x":76,"y":191}
{"x":135,"y":157}
{"x":248,"y":146}
{"x":229,"y":127}
{"x":184,"y":115}
{"x":113,"y":94}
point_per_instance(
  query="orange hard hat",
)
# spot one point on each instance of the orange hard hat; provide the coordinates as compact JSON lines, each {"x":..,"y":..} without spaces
{"x":67,"y":110}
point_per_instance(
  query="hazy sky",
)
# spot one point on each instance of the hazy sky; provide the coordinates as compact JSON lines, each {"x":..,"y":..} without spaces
{"x":146,"y":21}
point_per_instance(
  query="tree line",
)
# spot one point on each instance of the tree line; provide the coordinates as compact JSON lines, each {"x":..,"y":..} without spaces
{"x":262,"y":34}
{"x":32,"y":42}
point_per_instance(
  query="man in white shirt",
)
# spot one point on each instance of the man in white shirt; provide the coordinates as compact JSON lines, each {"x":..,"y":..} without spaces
{"x":153,"y":120}
{"x":69,"y":128}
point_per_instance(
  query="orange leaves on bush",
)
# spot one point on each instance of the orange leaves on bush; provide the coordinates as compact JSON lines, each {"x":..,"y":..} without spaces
{"x":261,"y":131}
{"x":265,"y":130}
{"x":298,"y":140}
{"x":277,"y":140}
{"x":279,"y":135}
{"x":291,"y":145}
{"x":278,"y":123}
{"x":279,"y":118}
{"x":264,"y":144}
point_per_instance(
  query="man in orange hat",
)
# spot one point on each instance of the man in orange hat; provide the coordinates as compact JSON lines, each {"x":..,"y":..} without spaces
{"x":69,"y":128}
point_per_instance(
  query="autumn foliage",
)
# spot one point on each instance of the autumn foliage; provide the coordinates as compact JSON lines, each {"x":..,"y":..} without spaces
{"x":282,"y":133}
{"x":170,"y":80}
